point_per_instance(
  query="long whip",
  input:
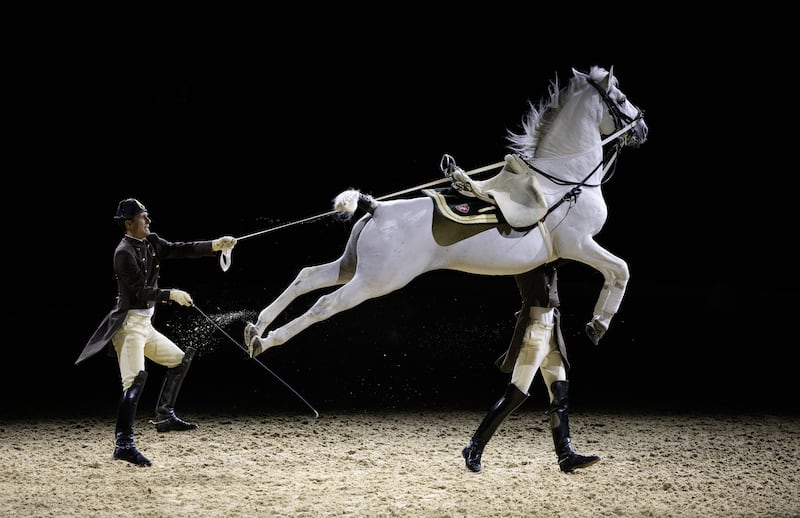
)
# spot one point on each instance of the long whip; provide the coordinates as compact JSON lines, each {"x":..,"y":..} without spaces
{"x":225,"y":256}
{"x":384,"y":197}
{"x":240,"y":346}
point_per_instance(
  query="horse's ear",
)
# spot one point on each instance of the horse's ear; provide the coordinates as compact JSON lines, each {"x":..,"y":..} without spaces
{"x":608,"y":79}
{"x":578,"y":74}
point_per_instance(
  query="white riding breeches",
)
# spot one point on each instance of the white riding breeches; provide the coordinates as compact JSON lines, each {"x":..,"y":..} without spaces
{"x":539,"y":351}
{"x":136,"y":340}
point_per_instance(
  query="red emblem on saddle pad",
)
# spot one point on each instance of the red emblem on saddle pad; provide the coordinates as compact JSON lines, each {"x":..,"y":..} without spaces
{"x":463,"y":208}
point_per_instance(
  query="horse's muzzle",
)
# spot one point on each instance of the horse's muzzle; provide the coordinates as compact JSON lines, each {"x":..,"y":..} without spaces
{"x":637,"y":136}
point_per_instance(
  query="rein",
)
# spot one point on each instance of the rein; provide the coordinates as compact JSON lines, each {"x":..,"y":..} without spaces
{"x":572,"y":195}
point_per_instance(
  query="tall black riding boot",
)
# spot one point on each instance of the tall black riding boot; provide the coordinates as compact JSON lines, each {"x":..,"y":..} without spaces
{"x":166,"y":420}
{"x":125,"y":446}
{"x":509,"y":402}
{"x":568,"y":460}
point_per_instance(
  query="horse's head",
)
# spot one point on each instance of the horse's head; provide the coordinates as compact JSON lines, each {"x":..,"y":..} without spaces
{"x":620,"y":114}
{"x":547,"y":134}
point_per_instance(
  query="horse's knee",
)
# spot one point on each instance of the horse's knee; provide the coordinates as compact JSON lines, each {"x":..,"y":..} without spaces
{"x":622,"y":275}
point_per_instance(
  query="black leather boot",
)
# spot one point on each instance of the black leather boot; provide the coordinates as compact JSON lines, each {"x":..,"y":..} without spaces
{"x":166,"y":420}
{"x":568,"y":460}
{"x":125,"y":446}
{"x":509,"y":402}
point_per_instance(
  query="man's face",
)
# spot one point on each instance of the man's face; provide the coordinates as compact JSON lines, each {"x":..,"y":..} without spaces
{"x":139,"y":225}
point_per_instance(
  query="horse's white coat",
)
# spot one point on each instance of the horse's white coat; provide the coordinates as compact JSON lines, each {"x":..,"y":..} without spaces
{"x":394,"y":245}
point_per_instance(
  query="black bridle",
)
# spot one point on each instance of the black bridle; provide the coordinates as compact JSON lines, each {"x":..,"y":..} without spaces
{"x":621,"y":119}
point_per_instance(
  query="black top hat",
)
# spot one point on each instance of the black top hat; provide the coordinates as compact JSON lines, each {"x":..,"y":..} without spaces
{"x":129,"y":208}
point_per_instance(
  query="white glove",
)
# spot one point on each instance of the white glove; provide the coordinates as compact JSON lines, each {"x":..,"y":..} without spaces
{"x":223,"y":243}
{"x":181,"y":297}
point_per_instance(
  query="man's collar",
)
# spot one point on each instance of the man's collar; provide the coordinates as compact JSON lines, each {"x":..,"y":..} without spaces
{"x":134,"y":238}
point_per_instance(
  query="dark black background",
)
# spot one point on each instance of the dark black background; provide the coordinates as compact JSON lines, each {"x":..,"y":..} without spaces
{"x":243,"y":137}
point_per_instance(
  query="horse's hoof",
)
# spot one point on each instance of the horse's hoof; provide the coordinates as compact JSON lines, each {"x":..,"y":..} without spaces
{"x":595,"y":330}
{"x":249,"y":332}
{"x":254,"y":347}
{"x":252,"y":340}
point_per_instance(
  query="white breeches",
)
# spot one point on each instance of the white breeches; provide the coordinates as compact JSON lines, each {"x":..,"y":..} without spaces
{"x":539,"y":351}
{"x":137,"y":339}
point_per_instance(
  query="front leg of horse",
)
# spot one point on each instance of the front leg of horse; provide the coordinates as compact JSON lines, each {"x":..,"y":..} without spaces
{"x":607,"y":306}
{"x":615,"y":274}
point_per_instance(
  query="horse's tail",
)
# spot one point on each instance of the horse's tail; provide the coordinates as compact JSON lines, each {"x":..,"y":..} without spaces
{"x":346,"y":203}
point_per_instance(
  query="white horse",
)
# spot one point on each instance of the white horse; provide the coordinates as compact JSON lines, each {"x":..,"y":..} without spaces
{"x":395,"y":242}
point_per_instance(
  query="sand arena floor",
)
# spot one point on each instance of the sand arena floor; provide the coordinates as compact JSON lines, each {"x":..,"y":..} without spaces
{"x":380,"y":464}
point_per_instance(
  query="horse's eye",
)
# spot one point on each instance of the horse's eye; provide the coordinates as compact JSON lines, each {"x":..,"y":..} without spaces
{"x":622,"y":99}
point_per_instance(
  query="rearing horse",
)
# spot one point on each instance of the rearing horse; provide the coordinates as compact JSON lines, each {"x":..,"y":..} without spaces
{"x":562,"y":145}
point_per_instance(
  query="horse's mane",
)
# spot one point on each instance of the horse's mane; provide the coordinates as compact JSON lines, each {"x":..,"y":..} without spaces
{"x":540,"y":117}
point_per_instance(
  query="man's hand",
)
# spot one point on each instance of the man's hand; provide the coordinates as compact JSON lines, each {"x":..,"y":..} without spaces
{"x":223,"y":243}
{"x":181,"y":297}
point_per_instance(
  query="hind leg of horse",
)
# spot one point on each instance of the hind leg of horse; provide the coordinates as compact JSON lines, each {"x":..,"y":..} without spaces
{"x":348,"y":296}
{"x":309,"y":279}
